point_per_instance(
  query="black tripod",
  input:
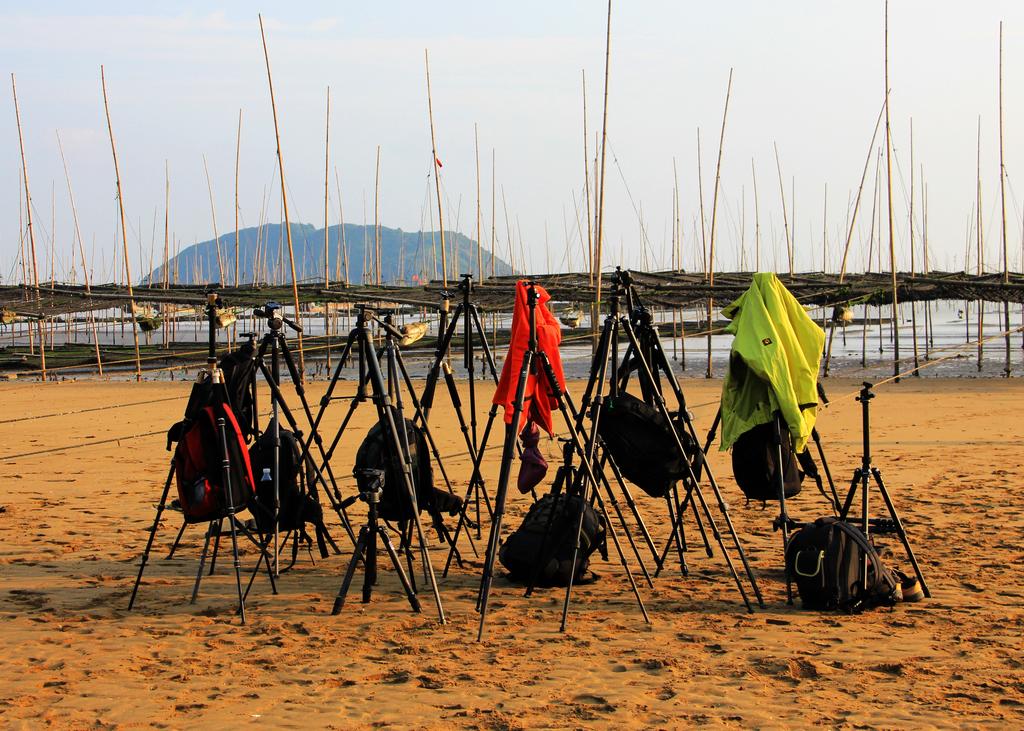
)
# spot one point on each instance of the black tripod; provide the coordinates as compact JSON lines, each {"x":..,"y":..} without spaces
{"x":861,"y":480}
{"x":783,"y":522}
{"x":210,"y":391}
{"x":645,"y":355}
{"x":466,"y":313}
{"x":276,"y":342}
{"x":537,"y":364}
{"x":386,"y":396}
{"x":366,"y":548}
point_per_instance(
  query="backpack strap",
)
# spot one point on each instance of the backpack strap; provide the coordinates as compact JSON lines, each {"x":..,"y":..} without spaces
{"x":809,"y":468}
{"x":882,"y":573}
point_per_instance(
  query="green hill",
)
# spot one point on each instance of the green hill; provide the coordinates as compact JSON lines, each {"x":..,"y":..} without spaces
{"x":406,"y":257}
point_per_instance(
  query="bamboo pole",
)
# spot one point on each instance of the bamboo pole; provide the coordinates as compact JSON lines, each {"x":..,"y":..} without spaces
{"x":124,"y":229}
{"x":714,"y":219}
{"x":785,"y":218}
{"x":479,"y":245}
{"x":888,"y":188}
{"x":1002,"y":209}
{"x":216,"y":235}
{"x":81,"y":251}
{"x":284,"y":201}
{"x":376,"y":222}
{"x":435,"y":163}
{"x":599,"y":241}
{"x":913,"y":262}
{"x":981,"y":259}
{"x":757,"y":221}
{"x":341,"y":224}
{"x":928,"y":325}
{"x":238,"y":159}
{"x":679,"y":261}
{"x":327,"y":192}
{"x":31,"y":230}
{"x":494,"y":218}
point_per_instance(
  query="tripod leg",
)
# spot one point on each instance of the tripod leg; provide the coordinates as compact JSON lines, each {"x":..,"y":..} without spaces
{"x":152,"y":535}
{"x":410,"y":593}
{"x":782,"y":522}
{"x":502,"y":490}
{"x":202,"y":562}
{"x":177,"y":540}
{"x":370,"y":565}
{"x":216,"y":546}
{"x":625,"y":528}
{"x":339,"y":601}
{"x":677,"y":524}
{"x":852,"y":493}
{"x":629,"y":502}
{"x":263,"y":559}
{"x":542,"y":556}
{"x":900,"y":530}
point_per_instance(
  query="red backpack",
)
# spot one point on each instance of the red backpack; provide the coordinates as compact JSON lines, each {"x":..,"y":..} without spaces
{"x":198,"y":464}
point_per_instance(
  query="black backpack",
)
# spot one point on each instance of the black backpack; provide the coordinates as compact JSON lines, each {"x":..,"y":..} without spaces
{"x":528,"y":556}
{"x":374,"y":454}
{"x":238,"y":367}
{"x":753,"y":464}
{"x":298,"y":495}
{"x":640,"y":441}
{"x":825,"y":559}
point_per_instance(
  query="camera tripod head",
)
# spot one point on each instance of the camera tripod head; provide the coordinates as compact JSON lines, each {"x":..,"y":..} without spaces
{"x":371,"y":484}
{"x":273,"y":313}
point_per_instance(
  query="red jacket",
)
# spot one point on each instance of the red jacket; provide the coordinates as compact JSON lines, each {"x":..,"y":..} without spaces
{"x":539,"y":399}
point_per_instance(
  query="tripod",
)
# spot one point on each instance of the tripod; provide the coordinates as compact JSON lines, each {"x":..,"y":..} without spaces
{"x":366,"y":548}
{"x":783,"y":522}
{"x":387,"y":398}
{"x":210,"y":392}
{"x":472,"y":326}
{"x":862,"y":480}
{"x":536,"y":363}
{"x":276,"y":342}
{"x":646,"y":355}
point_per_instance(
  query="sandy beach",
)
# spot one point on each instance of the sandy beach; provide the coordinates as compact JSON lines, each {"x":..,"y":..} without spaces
{"x":74,"y":523}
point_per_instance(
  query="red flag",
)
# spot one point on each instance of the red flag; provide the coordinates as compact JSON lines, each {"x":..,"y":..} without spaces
{"x":438,"y":161}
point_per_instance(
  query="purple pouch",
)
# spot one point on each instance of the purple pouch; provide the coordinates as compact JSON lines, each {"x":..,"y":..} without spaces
{"x":533,"y":467}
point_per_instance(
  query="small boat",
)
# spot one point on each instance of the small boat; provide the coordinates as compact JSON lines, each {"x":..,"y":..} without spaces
{"x":571,"y":318}
{"x":412,"y":332}
{"x":149,"y":323}
{"x":842,"y":316}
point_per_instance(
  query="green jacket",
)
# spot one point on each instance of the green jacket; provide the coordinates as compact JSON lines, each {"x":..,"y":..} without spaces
{"x":773,"y":365}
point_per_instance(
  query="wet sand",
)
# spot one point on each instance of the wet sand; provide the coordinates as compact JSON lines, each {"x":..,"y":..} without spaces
{"x":74,"y":524}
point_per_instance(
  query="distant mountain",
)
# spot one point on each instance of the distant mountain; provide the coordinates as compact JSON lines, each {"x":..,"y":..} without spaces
{"x":406,"y":258}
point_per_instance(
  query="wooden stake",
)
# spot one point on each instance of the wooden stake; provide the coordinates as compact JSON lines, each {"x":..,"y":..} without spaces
{"x":238,"y":158}
{"x":757,"y":221}
{"x":376,"y":222}
{"x":599,"y":241}
{"x":1002,"y":207}
{"x":479,"y":245}
{"x":437,"y":174}
{"x":888,"y":188}
{"x":216,"y":235}
{"x":785,"y":218}
{"x":327,"y":191}
{"x":714,"y":219}
{"x":284,"y":202}
{"x":81,"y":251}
{"x":124,"y":229}
{"x":913,"y":262}
{"x":981,"y":258}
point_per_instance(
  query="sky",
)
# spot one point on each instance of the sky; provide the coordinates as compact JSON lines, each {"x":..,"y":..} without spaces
{"x":807,"y":80}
